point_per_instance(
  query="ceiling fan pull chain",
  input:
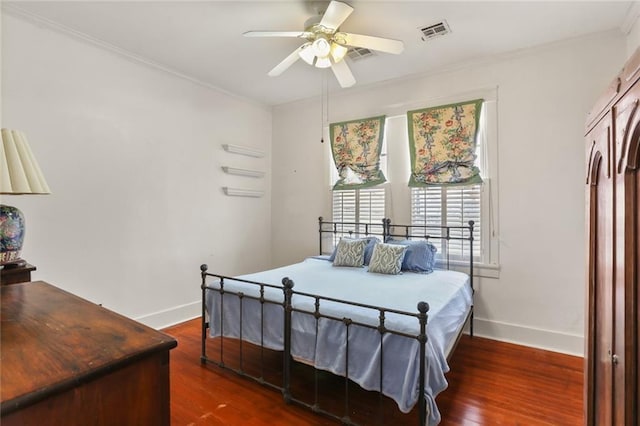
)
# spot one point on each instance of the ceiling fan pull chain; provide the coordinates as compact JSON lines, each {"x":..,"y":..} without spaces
{"x":326,"y":101}
{"x":322,"y":108}
{"x":324,"y":92}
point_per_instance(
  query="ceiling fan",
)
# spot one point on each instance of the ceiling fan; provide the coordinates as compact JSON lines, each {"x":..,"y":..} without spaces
{"x":326,"y":46}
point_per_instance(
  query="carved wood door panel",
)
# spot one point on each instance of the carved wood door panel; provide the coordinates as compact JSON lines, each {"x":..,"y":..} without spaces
{"x":600,"y":278}
{"x":627,"y":132}
{"x":637,"y":287}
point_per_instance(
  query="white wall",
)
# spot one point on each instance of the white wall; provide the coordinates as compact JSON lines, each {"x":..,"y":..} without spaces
{"x":543,"y":97}
{"x":132,"y":155}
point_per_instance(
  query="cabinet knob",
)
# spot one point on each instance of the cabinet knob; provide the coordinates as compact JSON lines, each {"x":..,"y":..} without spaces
{"x":615,"y":359}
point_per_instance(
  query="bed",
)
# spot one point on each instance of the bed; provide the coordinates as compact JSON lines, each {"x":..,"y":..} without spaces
{"x":392,"y":334}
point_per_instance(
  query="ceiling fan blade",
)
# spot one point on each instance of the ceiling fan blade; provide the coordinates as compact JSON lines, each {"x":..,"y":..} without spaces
{"x":287,"y":62}
{"x":374,"y":43}
{"x":301,"y":34}
{"x":335,"y":15}
{"x":343,"y":74}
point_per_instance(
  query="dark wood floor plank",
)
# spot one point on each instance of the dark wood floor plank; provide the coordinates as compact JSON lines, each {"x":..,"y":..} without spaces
{"x":490,"y":383}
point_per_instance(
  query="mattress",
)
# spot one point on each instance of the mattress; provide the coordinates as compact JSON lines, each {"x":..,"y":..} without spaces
{"x":321,"y":343}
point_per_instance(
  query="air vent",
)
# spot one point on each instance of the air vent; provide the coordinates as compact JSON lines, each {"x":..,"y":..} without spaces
{"x":357,"y":53}
{"x":435,"y":30}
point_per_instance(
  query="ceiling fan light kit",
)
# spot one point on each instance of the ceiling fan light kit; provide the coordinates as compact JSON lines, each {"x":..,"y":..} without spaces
{"x":321,"y":46}
{"x":307,"y":54}
{"x":323,"y":62}
{"x":338,"y":52}
{"x":326,"y":46}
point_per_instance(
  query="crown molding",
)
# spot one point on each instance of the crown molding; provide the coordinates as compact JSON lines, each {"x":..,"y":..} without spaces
{"x":630,"y":18}
{"x":18,"y":12}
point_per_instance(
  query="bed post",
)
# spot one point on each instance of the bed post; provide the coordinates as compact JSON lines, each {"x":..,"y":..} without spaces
{"x":203,"y":354}
{"x":423,"y":308}
{"x":320,"y":235}
{"x":471,"y":223}
{"x":386,"y":229}
{"x":286,"y":366}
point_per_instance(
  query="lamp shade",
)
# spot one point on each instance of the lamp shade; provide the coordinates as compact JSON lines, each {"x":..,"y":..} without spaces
{"x":19,"y":174}
{"x":19,"y":170}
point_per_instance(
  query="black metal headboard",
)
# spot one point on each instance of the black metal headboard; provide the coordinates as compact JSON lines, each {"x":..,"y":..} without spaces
{"x":386,"y":230}
{"x":444,"y":234}
{"x":337,"y":230}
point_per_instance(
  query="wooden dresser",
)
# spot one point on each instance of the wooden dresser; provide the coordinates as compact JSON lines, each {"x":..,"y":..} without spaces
{"x":66,"y":361}
{"x":612,"y":353}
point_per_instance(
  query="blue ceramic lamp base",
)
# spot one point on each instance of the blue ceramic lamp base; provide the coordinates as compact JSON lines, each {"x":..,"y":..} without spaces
{"x":11,"y":235}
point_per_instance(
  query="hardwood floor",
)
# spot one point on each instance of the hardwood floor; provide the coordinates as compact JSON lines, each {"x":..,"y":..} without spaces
{"x":490,"y":383}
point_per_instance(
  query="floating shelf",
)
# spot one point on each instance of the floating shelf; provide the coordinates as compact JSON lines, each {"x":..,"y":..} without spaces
{"x":239,"y":192}
{"x":243,"y":172}
{"x":243,"y":150}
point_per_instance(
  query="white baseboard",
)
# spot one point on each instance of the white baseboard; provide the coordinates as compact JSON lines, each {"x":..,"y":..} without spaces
{"x":538,"y":338}
{"x":172,"y":316}
{"x":570,"y":344}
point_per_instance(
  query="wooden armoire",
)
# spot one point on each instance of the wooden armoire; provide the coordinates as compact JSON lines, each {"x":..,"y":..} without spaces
{"x":612,"y":356}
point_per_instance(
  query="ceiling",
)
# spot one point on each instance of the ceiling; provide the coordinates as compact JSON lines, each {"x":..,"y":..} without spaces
{"x":203,"y":39}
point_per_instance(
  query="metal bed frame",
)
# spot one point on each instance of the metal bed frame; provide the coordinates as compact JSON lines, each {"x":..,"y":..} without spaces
{"x":336,"y":230}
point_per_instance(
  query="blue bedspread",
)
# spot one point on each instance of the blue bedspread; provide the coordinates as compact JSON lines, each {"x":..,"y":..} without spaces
{"x":447,"y":292}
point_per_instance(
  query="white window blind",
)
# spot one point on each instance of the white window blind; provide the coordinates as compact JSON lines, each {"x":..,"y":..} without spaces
{"x":359,"y":205}
{"x":450,"y":206}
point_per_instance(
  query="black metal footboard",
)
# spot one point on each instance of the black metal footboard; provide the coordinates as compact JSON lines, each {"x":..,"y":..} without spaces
{"x":242,"y":297}
{"x":324,"y":308}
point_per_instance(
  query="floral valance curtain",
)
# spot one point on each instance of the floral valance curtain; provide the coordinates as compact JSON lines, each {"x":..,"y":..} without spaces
{"x":442,"y":144}
{"x":356,"y":147}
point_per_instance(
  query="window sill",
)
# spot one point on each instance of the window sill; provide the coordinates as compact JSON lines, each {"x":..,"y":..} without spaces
{"x":484,"y":270}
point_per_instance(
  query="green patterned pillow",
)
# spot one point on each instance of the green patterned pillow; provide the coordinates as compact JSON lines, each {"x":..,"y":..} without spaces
{"x":387,"y":259}
{"x":350,"y":252}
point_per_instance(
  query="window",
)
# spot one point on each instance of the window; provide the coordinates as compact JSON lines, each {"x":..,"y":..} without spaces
{"x":366,"y":205}
{"x":456,"y":206}
{"x":450,"y":206}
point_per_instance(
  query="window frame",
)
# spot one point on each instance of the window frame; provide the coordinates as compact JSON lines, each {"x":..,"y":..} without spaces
{"x":487,"y":262}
